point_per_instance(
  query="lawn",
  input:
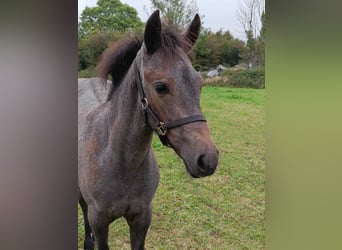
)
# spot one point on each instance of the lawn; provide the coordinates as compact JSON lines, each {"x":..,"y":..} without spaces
{"x":225,"y":210}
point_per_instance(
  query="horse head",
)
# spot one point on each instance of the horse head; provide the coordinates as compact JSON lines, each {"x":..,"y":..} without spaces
{"x":172,"y":87}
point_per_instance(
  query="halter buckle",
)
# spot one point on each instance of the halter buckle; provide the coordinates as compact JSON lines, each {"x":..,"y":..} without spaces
{"x":161,"y":130}
{"x":144,"y":103}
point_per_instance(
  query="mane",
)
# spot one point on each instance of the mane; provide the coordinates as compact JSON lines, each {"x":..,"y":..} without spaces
{"x":117,"y":59}
{"x":171,"y":39}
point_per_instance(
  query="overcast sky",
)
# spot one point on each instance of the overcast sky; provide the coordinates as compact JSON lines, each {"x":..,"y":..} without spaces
{"x":218,"y":14}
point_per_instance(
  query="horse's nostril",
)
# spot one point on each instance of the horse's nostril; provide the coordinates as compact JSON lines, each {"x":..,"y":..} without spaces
{"x":206,"y":164}
{"x":201,"y":163}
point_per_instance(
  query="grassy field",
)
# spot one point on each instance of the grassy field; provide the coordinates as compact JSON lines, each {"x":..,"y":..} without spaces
{"x":225,"y":210}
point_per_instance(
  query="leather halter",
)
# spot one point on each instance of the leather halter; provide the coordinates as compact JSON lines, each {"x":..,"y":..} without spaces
{"x":162,"y":127}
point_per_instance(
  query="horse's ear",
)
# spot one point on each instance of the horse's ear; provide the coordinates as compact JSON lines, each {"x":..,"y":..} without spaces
{"x":152,"y":32}
{"x":192,"y":33}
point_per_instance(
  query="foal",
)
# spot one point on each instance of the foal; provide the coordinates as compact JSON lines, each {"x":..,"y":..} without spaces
{"x":154,"y":88}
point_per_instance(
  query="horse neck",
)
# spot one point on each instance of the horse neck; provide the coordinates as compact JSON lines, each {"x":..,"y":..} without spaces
{"x":129,"y":136}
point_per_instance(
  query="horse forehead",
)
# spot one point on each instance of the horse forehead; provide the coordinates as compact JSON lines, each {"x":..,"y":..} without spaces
{"x":184,"y":74}
{"x":177,"y":68}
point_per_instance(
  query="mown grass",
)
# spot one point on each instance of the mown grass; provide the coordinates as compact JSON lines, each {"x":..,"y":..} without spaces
{"x":225,"y":210}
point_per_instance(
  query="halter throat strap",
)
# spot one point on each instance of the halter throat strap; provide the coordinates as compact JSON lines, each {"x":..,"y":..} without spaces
{"x":161,"y":127}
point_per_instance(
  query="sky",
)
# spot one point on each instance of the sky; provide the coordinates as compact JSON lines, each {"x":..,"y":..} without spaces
{"x":218,"y":14}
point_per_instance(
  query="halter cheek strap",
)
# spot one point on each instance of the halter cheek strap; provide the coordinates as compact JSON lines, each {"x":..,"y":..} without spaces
{"x":161,"y":127}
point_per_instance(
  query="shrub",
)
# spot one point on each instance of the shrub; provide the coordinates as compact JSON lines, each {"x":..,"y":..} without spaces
{"x":87,"y":73}
{"x":250,"y":78}
{"x":241,"y":78}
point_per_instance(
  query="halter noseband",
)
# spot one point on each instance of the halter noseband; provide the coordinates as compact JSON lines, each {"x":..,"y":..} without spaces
{"x":162,"y":127}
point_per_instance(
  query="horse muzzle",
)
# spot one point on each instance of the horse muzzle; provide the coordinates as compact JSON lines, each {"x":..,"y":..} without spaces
{"x":193,"y":143}
{"x":204,"y":166}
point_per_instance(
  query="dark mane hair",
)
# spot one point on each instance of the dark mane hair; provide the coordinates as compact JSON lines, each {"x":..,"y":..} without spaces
{"x":117,"y":59}
{"x":171,"y":39}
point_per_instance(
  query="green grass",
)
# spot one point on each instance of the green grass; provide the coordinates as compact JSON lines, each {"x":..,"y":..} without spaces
{"x":225,"y":210}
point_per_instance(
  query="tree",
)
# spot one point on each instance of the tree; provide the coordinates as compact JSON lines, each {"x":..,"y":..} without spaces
{"x":251,"y":14}
{"x":262,"y":30}
{"x":260,"y":46}
{"x":217,"y":48}
{"x":108,"y":15}
{"x":176,"y":12}
{"x":230,"y":55}
{"x":91,"y":48}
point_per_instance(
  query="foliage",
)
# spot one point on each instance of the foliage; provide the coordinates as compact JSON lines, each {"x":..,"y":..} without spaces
{"x":87,"y":73}
{"x":251,"y":78}
{"x":260,"y":49}
{"x":225,"y":210}
{"x":217,"y":48}
{"x":176,"y":12}
{"x":263,"y":28}
{"x":239,"y":78}
{"x":231,"y":54}
{"x":251,"y":14}
{"x":108,"y":16}
{"x":91,"y":48}
{"x":109,"y":21}
{"x":211,"y":49}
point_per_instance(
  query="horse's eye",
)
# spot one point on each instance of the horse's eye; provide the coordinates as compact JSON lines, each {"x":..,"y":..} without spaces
{"x":161,"y":88}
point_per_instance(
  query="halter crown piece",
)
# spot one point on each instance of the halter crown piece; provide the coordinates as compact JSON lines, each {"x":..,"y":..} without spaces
{"x":162,"y":127}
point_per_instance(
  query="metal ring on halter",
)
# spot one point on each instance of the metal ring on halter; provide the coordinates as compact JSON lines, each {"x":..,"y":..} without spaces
{"x":144,"y":103}
{"x":161,"y":130}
